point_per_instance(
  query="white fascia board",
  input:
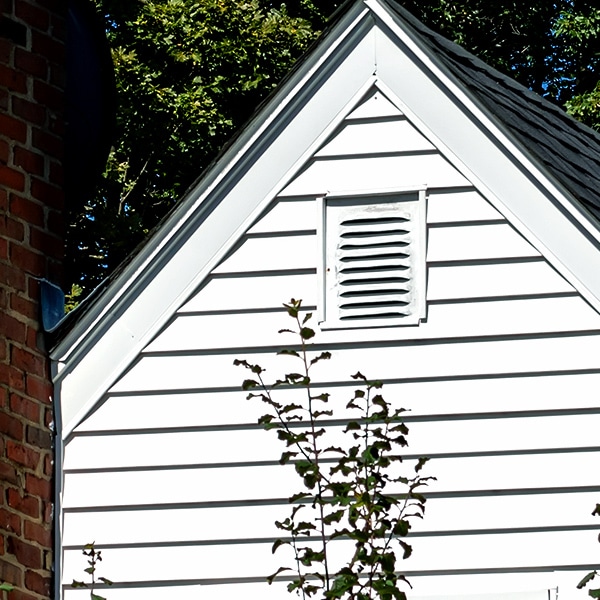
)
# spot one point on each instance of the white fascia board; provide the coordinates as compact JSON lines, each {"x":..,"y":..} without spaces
{"x":521,"y":189}
{"x":212,"y":218}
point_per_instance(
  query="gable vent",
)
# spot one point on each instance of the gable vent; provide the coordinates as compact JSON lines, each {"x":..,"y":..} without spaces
{"x":373,"y":271}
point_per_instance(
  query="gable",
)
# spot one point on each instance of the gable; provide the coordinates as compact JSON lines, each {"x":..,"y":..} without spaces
{"x":172,"y":469}
{"x":145,"y":381}
{"x":369,"y":50}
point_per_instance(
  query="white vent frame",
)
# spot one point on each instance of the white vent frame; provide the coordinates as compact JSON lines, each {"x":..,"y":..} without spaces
{"x":400,"y":300}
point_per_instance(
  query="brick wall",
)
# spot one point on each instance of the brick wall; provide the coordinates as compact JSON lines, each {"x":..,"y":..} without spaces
{"x":32,"y":48}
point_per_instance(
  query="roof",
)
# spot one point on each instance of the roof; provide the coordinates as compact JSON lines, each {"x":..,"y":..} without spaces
{"x":553,"y":158}
{"x":569,"y":150}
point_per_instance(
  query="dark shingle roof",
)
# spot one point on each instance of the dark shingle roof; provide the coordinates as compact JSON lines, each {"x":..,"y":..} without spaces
{"x":569,"y":151}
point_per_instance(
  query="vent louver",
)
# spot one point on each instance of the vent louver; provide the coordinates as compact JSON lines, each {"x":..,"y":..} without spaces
{"x":374,"y":268}
{"x":373,"y":271}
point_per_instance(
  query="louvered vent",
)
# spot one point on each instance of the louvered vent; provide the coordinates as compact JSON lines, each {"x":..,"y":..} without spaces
{"x":373,"y":272}
{"x":374,"y":278}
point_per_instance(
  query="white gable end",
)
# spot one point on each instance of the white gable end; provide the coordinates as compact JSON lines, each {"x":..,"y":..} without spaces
{"x":163,"y":461}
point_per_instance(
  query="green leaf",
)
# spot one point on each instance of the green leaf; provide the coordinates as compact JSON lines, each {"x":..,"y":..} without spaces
{"x":586,"y":579}
{"x":277,"y":544}
{"x":594,"y":593}
{"x":249,"y":384}
{"x":96,"y":597}
{"x":306,"y":333}
{"x":286,"y":456}
{"x":288,"y":352}
{"x":270,"y":578}
{"x":6,"y":587}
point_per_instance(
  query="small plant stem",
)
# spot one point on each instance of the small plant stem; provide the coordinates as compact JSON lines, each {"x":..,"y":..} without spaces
{"x":315,"y":450}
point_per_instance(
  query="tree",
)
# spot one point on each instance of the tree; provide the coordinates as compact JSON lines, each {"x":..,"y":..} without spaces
{"x":190,"y":72}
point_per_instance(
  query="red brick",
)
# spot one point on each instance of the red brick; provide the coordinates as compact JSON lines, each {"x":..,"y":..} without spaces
{"x":50,"y":96}
{"x":38,"y":438}
{"x":13,"y":377}
{"x":27,"y":361}
{"x":32,"y":15}
{"x":13,"y":278}
{"x":10,"y":521}
{"x":5,"y":51}
{"x":48,"y":512}
{"x":12,"y":128}
{"x":31,"y":212}
{"x":46,"y":45}
{"x":30,"y":162}
{"x":48,"y":466}
{"x":46,"y":142}
{"x":32,"y":338}
{"x":3,"y":249}
{"x":38,"y":533}
{"x":32,"y":64}
{"x":8,"y":474}
{"x":37,"y":583}
{"x":29,"y":261}
{"x":50,"y":195}
{"x":12,"y":328}
{"x":3,"y":200}
{"x":25,"y":456}
{"x":13,"y":80}
{"x":25,"y":407}
{"x":14,"y":229}
{"x":37,"y":486}
{"x":4,"y":147}
{"x":31,"y":112}
{"x":50,"y":245}
{"x":12,"y":178}
{"x":11,"y":427}
{"x":20,"y":595}
{"x":35,"y":387}
{"x":27,"y":554}
{"x":10,"y":574}
{"x":28,"y":505}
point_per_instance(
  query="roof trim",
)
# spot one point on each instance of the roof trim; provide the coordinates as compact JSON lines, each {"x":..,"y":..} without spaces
{"x":337,"y":70}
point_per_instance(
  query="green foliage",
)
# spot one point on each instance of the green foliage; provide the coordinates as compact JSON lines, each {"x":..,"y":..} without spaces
{"x":72,"y":297}
{"x":94,"y":557}
{"x":359,"y":491}
{"x":6,"y":587}
{"x":579,"y":31}
{"x":188,"y":74}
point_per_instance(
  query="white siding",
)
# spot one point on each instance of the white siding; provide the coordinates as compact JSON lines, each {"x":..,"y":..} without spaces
{"x":179,"y":487}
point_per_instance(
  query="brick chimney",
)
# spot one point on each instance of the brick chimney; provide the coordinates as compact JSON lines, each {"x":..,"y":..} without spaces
{"x":32,"y":77}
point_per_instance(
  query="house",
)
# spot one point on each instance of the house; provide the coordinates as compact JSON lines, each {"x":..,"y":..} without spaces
{"x":492,"y":339}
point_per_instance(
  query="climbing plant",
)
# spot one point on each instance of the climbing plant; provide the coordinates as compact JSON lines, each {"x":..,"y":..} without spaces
{"x":356,"y":489}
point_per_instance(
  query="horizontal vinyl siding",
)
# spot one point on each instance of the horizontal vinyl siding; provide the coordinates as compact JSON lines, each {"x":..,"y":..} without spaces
{"x":177,"y":484}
